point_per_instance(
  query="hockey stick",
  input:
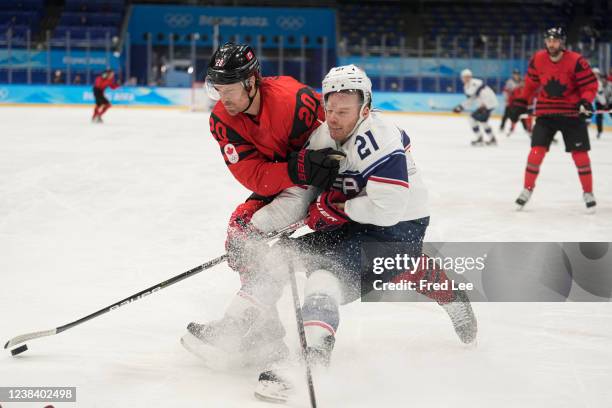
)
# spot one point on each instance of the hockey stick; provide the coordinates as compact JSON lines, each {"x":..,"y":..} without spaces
{"x":143,"y":293}
{"x":433,"y":106}
{"x":302,"y":334}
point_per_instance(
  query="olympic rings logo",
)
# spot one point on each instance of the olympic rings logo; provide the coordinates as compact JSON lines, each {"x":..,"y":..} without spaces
{"x":178,"y":20}
{"x":4,"y":93}
{"x":290,"y":22}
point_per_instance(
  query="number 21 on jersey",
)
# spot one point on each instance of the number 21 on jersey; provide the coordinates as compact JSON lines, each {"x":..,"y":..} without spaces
{"x":363,"y":147}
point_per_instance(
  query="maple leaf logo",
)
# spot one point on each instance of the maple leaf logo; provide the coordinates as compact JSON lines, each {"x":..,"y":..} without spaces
{"x":554,"y":88}
{"x":229,"y":150}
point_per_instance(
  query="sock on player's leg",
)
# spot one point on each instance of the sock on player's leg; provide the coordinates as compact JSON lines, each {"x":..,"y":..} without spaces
{"x":534,"y":160}
{"x":103,"y":110}
{"x":583,"y":164}
{"x":429,"y":272}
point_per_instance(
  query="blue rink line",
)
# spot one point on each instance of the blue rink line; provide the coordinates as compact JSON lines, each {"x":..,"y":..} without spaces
{"x":141,"y":96}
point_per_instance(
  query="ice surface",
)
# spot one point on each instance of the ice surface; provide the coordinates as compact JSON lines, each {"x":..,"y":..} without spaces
{"x":90,"y":214}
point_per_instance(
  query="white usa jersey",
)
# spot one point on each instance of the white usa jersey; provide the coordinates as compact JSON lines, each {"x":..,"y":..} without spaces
{"x":478,"y":93}
{"x":601,"y":95}
{"x":378,"y":173}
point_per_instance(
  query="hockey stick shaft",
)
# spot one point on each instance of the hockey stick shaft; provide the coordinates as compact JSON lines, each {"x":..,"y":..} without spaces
{"x":143,"y":293}
{"x":441,"y":109}
{"x":302,"y":334}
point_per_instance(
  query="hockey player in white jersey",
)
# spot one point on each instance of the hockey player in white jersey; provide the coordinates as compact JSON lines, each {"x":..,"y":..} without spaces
{"x":484,"y":99}
{"x":378,"y":198}
{"x":601,"y":100}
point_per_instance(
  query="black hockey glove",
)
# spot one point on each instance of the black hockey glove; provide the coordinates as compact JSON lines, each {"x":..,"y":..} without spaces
{"x":518,"y":108}
{"x":317,"y":168}
{"x":458,"y":109}
{"x":585,"y":109}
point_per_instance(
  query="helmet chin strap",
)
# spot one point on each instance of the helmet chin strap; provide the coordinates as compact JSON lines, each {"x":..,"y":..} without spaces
{"x":251,"y":98}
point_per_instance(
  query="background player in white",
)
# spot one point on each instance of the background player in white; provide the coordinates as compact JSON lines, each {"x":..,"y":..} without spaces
{"x":484,"y":99}
{"x":601,"y":100}
{"x":378,"y":199}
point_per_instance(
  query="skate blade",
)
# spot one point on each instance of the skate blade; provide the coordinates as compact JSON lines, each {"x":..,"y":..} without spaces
{"x":267,"y":398}
{"x":590,"y":211}
{"x":213,"y":357}
{"x":265,"y":392}
{"x":520,"y":207}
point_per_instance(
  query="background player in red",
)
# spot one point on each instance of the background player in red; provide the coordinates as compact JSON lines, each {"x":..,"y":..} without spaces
{"x":103,"y":81}
{"x":261,"y":124}
{"x":565,"y":88}
{"x":509,"y":87}
{"x":515,"y":93}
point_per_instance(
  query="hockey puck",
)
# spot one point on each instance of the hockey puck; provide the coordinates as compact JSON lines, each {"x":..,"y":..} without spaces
{"x":19,"y":350}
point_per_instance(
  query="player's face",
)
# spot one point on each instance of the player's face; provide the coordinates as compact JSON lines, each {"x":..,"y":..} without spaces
{"x":234,"y":97}
{"x":341,"y":114}
{"x":466,"y":79}
{"x":553,"y":46}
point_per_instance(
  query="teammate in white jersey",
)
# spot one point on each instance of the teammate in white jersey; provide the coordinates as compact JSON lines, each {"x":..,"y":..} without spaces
{"x":378,"y":201}
{"x":484,"y":99}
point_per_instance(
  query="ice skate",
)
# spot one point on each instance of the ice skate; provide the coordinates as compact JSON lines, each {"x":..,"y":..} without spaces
{"x":491,"y":142}
{"x":320,"y":355}
{"x":237,"y":342}
{"x":589,"y":201}
{"x":461,"y":314}
{"x":523,"y":198}
{"x":477,"y":142}
{"x":273,"y":387}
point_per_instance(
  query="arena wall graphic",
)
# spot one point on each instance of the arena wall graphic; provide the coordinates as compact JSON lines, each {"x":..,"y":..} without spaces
{"x":181,"y":98}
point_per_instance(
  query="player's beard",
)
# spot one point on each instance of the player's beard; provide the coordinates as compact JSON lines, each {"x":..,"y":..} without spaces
{"x":232,"y":109}
{"x":554,"y":52}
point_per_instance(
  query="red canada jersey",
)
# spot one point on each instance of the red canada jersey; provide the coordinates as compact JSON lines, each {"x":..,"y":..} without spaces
{"x":559,"y":86}
{"x":103,"y":83}
{"x":514,"y":93}
{"x":255,"y":148}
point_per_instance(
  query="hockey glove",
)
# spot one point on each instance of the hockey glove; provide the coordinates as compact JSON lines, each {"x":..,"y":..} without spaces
{"x":317,"y":168}
{"x":239,"y":231}
{"x":518,"y":108}
{"x":585,"y":109}
{"x":458,"y":109}
{"x":323,"y":215}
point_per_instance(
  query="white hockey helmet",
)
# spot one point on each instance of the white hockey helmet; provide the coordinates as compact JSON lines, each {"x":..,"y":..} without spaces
{"x":466,"y":73}
{"x":348,"y":78}
{"x":596,"y":71}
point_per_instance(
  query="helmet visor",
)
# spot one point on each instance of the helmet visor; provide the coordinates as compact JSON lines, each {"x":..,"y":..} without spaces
{"x":212,"y":92}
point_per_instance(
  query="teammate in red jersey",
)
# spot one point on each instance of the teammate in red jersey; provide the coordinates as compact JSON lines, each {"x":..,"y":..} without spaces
{"x":512,"y":95}
{"x":103,"y":81}
{"x":565,"y":88}
{"x":261,"y":124}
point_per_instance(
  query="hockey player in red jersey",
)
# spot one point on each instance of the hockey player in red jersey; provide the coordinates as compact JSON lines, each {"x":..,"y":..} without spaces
{"x":565,"y":88}
{"x":527,"y":122}
{"x":261,"y":124}
{"x":103,"y":81}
